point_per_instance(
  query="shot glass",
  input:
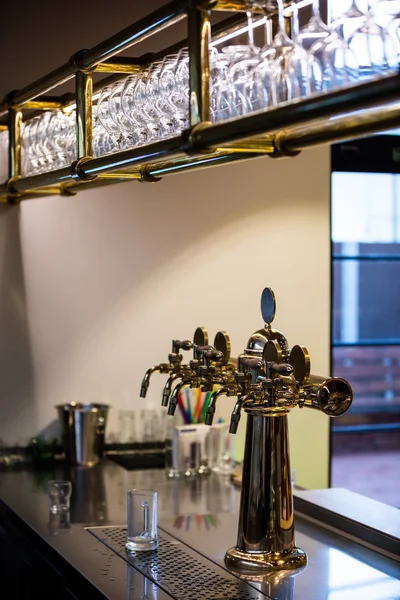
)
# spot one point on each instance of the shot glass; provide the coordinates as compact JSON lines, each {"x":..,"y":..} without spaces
{"x":142,"y":521}
{"x":59,"y":495}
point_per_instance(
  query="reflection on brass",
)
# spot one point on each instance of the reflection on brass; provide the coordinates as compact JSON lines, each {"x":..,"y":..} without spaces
{"x":199,"y":34}
{"x":268,"y":380}
{"x":42,"y":104}
{"x":121,"y":66}
{"x":14,"y":143}
{"x":83,"y":90}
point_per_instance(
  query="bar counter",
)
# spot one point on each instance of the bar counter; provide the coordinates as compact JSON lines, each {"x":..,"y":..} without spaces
{"x":197,"y":517}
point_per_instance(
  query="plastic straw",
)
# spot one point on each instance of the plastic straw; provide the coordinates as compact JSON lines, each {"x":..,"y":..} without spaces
{"x":182,"y":409}
{"x":197,"y":408}
{"x":188,"y":409}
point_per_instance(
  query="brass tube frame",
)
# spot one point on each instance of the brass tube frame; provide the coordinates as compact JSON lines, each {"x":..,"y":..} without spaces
{"x":234,"y":140}
{"x":83,"y":90}
{"x":157,"y":21}
{"x":199,"y":34}
{"x":357,"y":97}
{"x":14,"y":143}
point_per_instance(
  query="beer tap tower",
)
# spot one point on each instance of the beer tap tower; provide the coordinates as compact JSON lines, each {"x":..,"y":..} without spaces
{"x":269,"y":381}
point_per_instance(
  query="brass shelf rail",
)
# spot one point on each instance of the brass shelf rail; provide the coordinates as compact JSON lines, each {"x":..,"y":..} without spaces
{"x":351,"y":112}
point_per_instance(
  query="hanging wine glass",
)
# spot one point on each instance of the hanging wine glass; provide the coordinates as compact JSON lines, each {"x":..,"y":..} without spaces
{"x":130,"y":110}
{"x":127,"y":137}
{"x":338,"y":62}
{"x":291,"y":64}
{"x":174,"y":80}
{"x":314,"y":30}
{"x":347,"y":23}
{"x":374,"y":48}
{"x":103,"y":114}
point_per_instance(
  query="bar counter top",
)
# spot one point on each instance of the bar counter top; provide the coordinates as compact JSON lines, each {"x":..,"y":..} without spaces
{"x":196,"y":515}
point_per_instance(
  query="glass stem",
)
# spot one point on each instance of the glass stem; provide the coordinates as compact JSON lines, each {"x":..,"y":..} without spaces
{"x":295,"y":21}
{"x":268,"y":30}
{"x":281,"y":18}
{"x":250,"y":33}
{"x":315,"y":9}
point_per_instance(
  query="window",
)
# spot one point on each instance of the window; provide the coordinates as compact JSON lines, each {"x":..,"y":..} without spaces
{"x":366,"y":315}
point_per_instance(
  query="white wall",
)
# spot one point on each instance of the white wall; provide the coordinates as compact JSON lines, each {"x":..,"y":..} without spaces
{"x":95,"y":287}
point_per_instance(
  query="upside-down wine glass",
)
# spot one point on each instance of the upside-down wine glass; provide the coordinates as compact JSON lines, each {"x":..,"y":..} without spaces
{"x":314,"y":30}
{"x":374,"y":48}
{"x":347,"y":23}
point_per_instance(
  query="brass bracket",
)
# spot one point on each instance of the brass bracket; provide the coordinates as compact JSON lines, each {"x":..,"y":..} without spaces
{"x":189,"y":145}
{"x":202,"y":4}
{"x":280,"y":150}
{"x":67,"y":191}
{"x":146,"y":176}
{"x":77,"y":173}
{"x":75,"y":62}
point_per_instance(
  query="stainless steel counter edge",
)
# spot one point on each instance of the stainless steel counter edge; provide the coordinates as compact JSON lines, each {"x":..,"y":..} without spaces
{"x":363,"y":520}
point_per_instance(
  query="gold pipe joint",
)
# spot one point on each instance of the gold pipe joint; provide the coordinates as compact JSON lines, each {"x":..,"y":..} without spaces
{"x":280,"y":150}
{"x":146,"y":176}
{"x":77,"y":172}
{"x":75,"y":62}
{"x":190,"y":145}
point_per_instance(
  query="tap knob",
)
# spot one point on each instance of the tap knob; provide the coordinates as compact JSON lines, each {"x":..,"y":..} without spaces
{"x":212,"y":356}
{"x":282,"y":368}
{"x":199,"y":351}
{"x":181,"y":345}
{"x":255,"y":364}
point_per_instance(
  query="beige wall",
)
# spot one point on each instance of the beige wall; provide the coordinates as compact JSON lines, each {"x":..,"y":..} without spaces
{"x":94,"y":287}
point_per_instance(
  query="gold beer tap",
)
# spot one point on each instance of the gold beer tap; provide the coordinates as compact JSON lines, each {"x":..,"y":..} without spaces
{"x":174,"y":367}
{"x":279,"y":381}
{"x":200,"y":339}
{"x":268,"y":380}
{"x":200,"y":376}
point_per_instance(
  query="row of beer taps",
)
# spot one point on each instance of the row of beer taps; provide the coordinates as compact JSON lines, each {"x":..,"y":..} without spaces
{"x":267,"y":377}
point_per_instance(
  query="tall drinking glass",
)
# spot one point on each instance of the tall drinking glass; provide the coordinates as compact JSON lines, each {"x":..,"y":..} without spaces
{"x":142,"y":521}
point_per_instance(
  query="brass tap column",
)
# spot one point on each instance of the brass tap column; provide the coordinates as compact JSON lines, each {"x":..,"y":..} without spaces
{"x":266,"y":522}
{"x":269,"y":381}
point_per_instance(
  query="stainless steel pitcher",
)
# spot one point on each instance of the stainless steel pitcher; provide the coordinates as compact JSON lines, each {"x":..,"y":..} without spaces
{"x":83,"y":432}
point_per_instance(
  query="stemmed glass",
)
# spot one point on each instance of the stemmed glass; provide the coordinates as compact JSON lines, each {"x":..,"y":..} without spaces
{"x":314,"y":30}
{"x":347,"y":23}
{"x":127,"y":137}
{"x":374,"y":48}
{"x":292,"y":73}
{"x":128,"y":101}
{"x":174,"y":90}
{"x":103,"y":115}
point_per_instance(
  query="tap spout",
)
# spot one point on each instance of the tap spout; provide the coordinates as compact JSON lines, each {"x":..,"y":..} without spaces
{"x":146,"y":380}
{"x":236,"y":413}
{"x":174,"y":397}
{"x":168,"y":387}
{"x":223,"y":391}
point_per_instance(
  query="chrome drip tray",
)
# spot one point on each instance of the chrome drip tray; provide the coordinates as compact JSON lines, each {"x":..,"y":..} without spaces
{"x":179,"y":570}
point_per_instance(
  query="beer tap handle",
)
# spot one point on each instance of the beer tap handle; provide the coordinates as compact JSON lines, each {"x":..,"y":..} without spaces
{"x":181,"y":345}
{"x":255,"y":364}
{"x":212,"y":356}
{"x":199,"y":351}
{"x":282,"y":369}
